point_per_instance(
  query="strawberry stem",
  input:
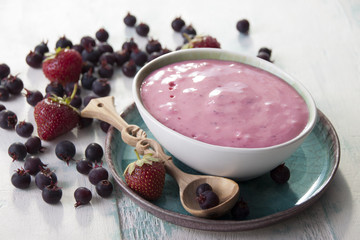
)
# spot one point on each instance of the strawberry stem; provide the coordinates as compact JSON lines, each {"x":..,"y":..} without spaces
{"x":137,"y":154}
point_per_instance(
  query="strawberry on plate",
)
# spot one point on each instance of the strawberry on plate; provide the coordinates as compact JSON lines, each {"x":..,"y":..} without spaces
{"x":55,"y":116}
{"x":64,"y":66}
{"x":146,"y":176}
{"x":200,"y":41}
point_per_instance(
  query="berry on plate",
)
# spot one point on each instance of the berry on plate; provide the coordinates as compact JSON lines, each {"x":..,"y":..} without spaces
{"x":201,"y":42}
{"x":146,"y":176}
{"x":64,"y":66}
{"x":55,"y":116}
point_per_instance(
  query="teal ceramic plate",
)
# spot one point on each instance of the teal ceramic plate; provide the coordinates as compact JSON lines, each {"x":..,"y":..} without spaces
{"x":312,"y":168}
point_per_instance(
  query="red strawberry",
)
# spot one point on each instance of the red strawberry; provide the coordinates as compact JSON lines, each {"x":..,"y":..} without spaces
{"x":146,"y":176}
{"x":55,"y":116}
{"x":64,"y":66}
{"x":201,"y":42}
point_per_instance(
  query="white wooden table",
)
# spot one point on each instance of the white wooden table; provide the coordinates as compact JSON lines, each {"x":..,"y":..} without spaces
{"x":315,"y":41}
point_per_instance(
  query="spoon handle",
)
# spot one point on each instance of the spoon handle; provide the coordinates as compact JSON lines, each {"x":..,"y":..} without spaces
{"x":104,"y":109}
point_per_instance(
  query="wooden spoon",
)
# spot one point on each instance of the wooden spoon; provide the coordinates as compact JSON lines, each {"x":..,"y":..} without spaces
{"x":226,"y":189}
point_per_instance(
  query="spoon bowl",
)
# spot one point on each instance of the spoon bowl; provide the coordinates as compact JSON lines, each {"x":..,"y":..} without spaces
{"x":226,"y":189}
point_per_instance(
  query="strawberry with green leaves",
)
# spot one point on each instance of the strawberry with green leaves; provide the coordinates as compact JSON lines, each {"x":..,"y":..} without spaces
{"x":55,"y":116}
{"x":146,"y":176}
{"x":64,"y":66}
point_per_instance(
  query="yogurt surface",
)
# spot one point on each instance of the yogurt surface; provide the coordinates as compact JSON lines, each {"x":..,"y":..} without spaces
{"x":224,"y":103}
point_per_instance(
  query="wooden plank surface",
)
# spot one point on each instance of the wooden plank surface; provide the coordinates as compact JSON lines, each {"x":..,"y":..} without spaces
{"x":315,"y":41}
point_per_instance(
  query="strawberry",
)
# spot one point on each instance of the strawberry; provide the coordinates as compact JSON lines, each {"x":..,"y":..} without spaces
{"x":146,"y":176}
{"x":55,"y":116}
{"x":64,"y":66}
{"x":201,"y":42}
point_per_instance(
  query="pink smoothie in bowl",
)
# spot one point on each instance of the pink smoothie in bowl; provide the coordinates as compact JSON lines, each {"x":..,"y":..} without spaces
{"x":225,"y":103}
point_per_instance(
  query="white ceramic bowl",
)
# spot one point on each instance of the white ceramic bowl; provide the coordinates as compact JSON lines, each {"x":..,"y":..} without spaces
{"x":237,"y":163}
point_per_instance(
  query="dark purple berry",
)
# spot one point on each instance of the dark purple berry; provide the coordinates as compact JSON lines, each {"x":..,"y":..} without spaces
{"x":63,"y":42}
{"x":76,"y":102}
{"x":52,"y":194}
{"x":240,"y":210}
{"x":84,"y":166}
{"x":87,"y":42}
{"x":65,"y":151}
{"x":44,"y":178}
{"x":264,"y":56}
{"x":243,"y":26}
{"x":129,"y":68}
{"x":153,"y":46}
{"x":87,"y":66}
{"x":55,"y":88}
{"x":84,"y":122}
{"x":142,"y":29}
{"x":34,"y":59}
{"x":97,"y":174}
{"x":154,"y":55}
{"x":2,"y":107}
{"x":108,"y":57}
{"x":122,"y":57}
{"x":21,"y":179}
{"x":129,"y":45}
{"x":8,"y":119}
{"x":202,"y":188}
{"x":94,"y":152}
{"x":33,"y":165}
{"x":33,"y":145}
{"x":33,"y":97}
{"x":91,"y":54}
{"x":265,"y":49}
{"x":104,"y":188}
{"x":139,"y":57}
{"x":87,"y":99}
{"x":24,"y":129}
{"x":69,"y":88}
{"x":280,"y":174}
{"x":105,"y":70}
{"x":101,"y":87}
{"x":4,"y":70}
{"x":102,"y":35}
{"x":130,"y":20}
{"x":4,"y":93}
{"x":78,"y":47}
{"x":87,"y":80}
{"x":82,"y":196}
{"x":208,"y":199}
{"x":189,"y":30}
{"x":104,"y":126}
{"x":17,"y":151}
{"x":177,"y":24}
{"x":105,"y":48}
{"x":14,"y":84}
{"x":42,"y":48}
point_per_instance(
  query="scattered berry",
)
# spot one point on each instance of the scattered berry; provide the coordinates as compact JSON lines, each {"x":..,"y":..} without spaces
{"x":243,"y":26}
{"x":105,"y":48}
{"x":14,"y":84}
{"x":34,"y":59}
{"x":104,"y":126}
{"x":33,"y":145}
{"x":102,"y":35}
{"x":24,"y":129}
{"x":33,"y":97}
{"x":33,"y":165}
{"x":84,"y":166}
{"x":129,"y":45}
{"x":87,"y":42}
{"x":122,"y":57}
{"x":76,"y":102}
{"x":4,"y":70}
{"x":17,"y":151}
{"x":87,"y":99}
{"x":189,"y":30}
{"x":42,"y":48}
{"x":65,"y":151}
{"x":264,"y":55}
{"x":78,"y":47}
{"x":105,"y":70}
{"x":4,"y":93}
{"x":139,"y":57}
{"x":52,"y":194}
{"x":265,"y":49}
{"x":44,"y":178}
{"x":142,"y":29}
{"x":21,"y":179}
{"x":202,"y":188}
{"x":2,"y":107}
{"x":129,"y":68}
{"x":153,"y":46}
{"x":240,"y":210}
{"x":63,"y":42}
{"x":94,"y":152}
{"x":87,"y":80}
{"x":208,"y":199}
{"x":69,"y":88}
{"x":87,"y":66}
{"x":101,"y":87}
{"x":177,"y":24}
{"x":104,"y":188}
{"x":108,"y":57}
{"x":130,"y":20}
{"x":8,"y":119}
{"x":91,"y":54}
{"x":82,"y":196}
{"x":55,"y":88}
{"x":280,"y":174}
{"x":97,"y":174}
{"x":84,"y":122}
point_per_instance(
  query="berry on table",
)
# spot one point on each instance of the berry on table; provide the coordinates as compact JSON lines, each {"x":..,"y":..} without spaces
{"x":44,"y":178}
{"x":102,"y":35}
{"x":264,"y":53}
{"x":104,"y":126}
{"x":24,"y":129}
{"x":17,"y":151}
{"x":105,"y":48}
{"x":153,"y":46}
{"x":101,"y":87}
{"x":78,"y":47}
{"x":87,"y":99}
{"x":4,"y":93}
{"x":139,"y":57}
{"x":87,"y":79}
{"x":243,"y":26}
{"x":280,"y":174}
{"x":8,"y":119}
{"x":208,"y":199}
{"x":202,"y":188}
{"x":84,"y":122}
{"x":65,"y":151}
{"x":129,"y":68}
{"x":4,"y":70}
{"x":14,"y":84}
{"x":21,"y":179}
{"x":34,"y":59}
{"x":129,"y":45}
{"x":189,"y":30}
{"x":33,"y":97}
{"x":69,"y":88}
{"x":2,"y":107}
{"x":87,"y":42}
{"x":55,"y":88}
{"x":104,"y":188}
{"x":76,"y":102}
{"x":105,"y":70}
{"x":177,"y":24}
{"x":109,"y":57}
{"x":94,"y":152}
{"x":122,"y":57}
{"x":240,"y":210}
{"x":91,"y":54}
{"x":97,"y":174}
{"x":33,"y":145}
{"x":142,"y":29}
{"x":63,"y":42}
{"x":265,"y":49}
{"x":51,"y":193}
{"x":33,"y":165}
{"x":82,"y":196}
{"x":84,"y":166}
{"x":130,"y":20}
{"x":42,"y":48}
